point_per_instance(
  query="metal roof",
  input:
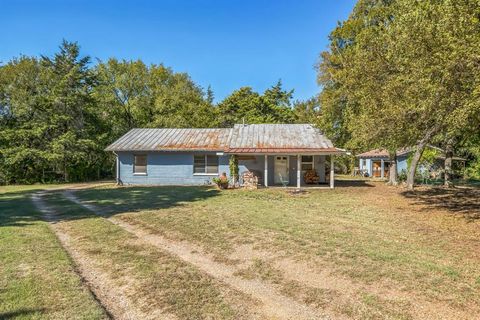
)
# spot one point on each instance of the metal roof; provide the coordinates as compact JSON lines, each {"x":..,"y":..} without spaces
{"x":276,"y":138}
{"x":171,"y":140}
{"x":251,"y":138}
{"x":383,"y":153}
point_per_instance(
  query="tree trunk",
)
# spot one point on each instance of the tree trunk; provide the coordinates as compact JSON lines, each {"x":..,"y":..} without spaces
{"x":417,"y":155}
{"x":65,"y":171}
{"x":393,"y":175}
{"x":448,"y":163}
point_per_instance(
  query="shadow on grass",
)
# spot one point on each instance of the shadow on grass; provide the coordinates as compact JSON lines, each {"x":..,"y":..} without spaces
{"x":21,"y":313}
{"x":345,"y":183}
{"x":139,"y":198}
{"x":16,"y":209}
{"x":464,"y":201}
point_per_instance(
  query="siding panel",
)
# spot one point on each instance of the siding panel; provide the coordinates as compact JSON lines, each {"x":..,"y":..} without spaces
{"x":166,"y":168}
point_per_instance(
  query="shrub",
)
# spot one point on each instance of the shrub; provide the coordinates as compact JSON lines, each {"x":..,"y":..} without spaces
{"x":402,"y":176}
{"x":222,"y":181}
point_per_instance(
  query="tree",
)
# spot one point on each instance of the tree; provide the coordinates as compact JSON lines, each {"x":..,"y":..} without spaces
{"x":400,"y":73}
{"x":136,"y":95}
{"x":358,"y":108}
{"x":307,"y":111}
{"x":57,"y":114}
{"x":274,"y":106}
{"x":49,"y":125}
{"x":437,"y":46}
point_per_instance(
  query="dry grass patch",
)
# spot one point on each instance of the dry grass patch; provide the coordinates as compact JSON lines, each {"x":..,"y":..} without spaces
{"x":370,"y":234}
{"x":156,"y":280}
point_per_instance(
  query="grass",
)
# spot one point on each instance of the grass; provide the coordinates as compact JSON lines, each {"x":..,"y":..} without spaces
{"x":393,"y":251}
{"x":371,"y":235}
{"x":157,"y":280}
{"x":37,"y":278}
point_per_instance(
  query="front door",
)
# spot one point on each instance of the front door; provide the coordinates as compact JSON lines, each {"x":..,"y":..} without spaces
{"x":376,"y":169}
{"x":281,"y":170}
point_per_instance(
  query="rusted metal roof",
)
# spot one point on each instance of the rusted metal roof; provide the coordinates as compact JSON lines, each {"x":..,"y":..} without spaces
{"x":376,"y":153}
{"x":278,"y":138}
{"x":172,"y":140}
{"x":383,"y":153}
{"x":252,"y":138}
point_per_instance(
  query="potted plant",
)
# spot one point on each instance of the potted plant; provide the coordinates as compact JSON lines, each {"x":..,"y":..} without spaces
{"x":222,"y":181}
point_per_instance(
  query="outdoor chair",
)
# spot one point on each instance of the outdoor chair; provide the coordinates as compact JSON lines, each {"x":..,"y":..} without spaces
{"x":283,"y":181}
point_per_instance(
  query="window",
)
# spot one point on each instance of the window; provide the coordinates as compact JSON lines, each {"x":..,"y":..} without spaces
{"x":307,"y":163}
{"x":364,"y":163}
{"x":206,"y":164}
{"x":140,"y":164}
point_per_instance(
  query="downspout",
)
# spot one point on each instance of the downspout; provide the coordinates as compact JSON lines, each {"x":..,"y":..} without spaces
{"x":117,"y":169}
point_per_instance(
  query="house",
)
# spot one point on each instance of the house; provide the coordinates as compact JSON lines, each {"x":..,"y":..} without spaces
{"x":276,"y":153}
{"x":376,"y":163}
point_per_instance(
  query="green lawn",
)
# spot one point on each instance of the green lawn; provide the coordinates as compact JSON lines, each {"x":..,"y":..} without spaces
{"x":37,"y":279}
{"x":157,"y":280}
{"x":362,"y":251}
{"x":367,"y":233}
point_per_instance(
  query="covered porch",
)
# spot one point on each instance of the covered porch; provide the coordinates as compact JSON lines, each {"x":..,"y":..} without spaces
{"x":289,"y":170}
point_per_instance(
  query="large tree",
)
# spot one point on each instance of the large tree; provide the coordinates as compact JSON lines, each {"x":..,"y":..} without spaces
{"x":244,"y":104}
{"x":136,"y":95}
{"x":49,"y":123}
{"x":57,"y":114}
{"x":400,"y":73}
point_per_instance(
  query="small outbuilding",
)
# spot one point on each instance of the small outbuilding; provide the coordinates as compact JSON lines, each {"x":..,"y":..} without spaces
{"x":277,"y":154}
{"x":376,"y":163}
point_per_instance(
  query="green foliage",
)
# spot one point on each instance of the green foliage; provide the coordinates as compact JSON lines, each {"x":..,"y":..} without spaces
{"x":50,"y":126}
{"x":427,"y":159}
{"x":233,"y":165}
{"x":307,"y":111}
{"x":221,"y":182}
{"x":274,"y":106}
{"x":473,"y":171}
{"x":57,"y":114}
{"x":402,"y":176}
{"x":402,"y":72}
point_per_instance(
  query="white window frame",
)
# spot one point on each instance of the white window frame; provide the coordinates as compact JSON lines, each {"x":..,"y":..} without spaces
{"x":206,"y":165}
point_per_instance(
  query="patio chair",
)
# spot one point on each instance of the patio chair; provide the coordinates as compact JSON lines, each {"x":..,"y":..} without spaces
{"x":283,"y":181}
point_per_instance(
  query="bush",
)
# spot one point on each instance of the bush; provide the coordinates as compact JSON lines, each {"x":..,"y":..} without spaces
{"x":222,"y":181}
{"x":402,"y":176}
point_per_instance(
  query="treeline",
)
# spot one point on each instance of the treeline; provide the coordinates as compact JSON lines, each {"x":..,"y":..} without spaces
{"x":405,"y":73}
{"x":57,"y":114}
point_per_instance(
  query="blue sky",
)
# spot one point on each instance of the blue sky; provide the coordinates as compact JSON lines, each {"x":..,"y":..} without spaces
{"x":225,"y":44}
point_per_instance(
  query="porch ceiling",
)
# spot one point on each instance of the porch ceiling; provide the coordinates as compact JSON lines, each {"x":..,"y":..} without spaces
{"x":294,"y":151}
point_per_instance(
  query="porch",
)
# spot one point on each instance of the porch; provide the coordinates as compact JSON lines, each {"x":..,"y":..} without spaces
{"x":287,"y":170}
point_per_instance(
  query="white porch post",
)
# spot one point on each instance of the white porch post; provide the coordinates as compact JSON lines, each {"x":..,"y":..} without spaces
{"x":265,"y":176}
{"x":299,"y":169}
{"x":332,"y":172}
{"x":382,"y":168}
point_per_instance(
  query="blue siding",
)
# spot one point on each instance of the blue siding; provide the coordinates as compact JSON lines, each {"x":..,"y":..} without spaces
{"x":166,"y":168}
{"x":367,"y":166}
{"x":402,"y":164}
{"x":176,"y":168}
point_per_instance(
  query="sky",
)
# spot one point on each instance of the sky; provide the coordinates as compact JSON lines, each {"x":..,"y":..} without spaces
{"x":225,"y":44}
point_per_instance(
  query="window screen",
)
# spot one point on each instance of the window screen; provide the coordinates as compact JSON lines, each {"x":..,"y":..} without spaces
{"x":140,"y":164}
{"x":212,"y":164}
{"x":205,"y":164}
{"x":199,"y":164}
